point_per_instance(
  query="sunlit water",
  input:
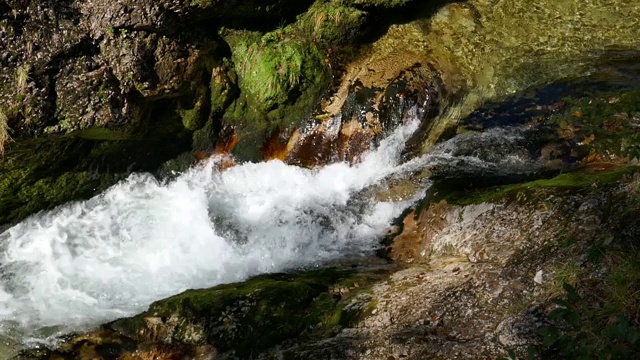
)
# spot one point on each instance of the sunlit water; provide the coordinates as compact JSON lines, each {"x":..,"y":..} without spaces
{"x":111,"y":256}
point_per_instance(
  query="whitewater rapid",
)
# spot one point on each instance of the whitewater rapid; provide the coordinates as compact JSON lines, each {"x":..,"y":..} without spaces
{"x":93,"y":261}
{"x":88,"y":262}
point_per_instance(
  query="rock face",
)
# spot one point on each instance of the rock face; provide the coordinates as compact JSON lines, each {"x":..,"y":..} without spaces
{"x":72,"y":65}
{"x":161,"y":72}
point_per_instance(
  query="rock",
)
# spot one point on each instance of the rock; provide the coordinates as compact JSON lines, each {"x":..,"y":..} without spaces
{"x":229,"y":321}
{"x":241,"y":317}
{"x":102,"y":105}
{"x":44,"y":172}
{"x":538,"y":277}
{"x":474,"y":294}
{"x":280,"y":81}
{"x":366,"y":116}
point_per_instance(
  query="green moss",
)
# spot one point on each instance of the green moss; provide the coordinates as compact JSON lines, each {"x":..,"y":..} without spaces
{"x":580,"y":179}
{"x":41,"y":173}
{"x":224,"y":88}
{"x":330,"y":22}
{"x":280,"y":83}
{"x":101,"y":134}
{"x":259,"y":313}
{"x":21,"y":200}
{"x":191,"y":118}
{"x":282,"y":73}
{"x":270,"y":72}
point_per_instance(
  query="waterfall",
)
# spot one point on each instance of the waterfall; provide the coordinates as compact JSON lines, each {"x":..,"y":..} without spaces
{"x":92,"y":261}
{"x":88,"y":262}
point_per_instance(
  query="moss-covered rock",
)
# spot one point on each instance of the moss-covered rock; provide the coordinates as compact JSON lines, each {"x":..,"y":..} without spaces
{"x":41,"y":173}
{"x":331,"y":22}
{"x":574,"y":181}
{"x":280,"y":79}
{"x":246,"y":318}
{"x":113,"y":63}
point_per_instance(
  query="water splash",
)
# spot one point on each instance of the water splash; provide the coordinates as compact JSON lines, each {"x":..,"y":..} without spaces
{"x":111,"y":256}
{"x":89,"y":262}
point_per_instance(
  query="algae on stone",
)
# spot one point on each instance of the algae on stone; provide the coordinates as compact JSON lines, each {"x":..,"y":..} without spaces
{"x":41,"y":173}
{"x":249,"y":317}
{"x":280,"y":80}
{"x":573,"y":181}
{"x":331,"y":22}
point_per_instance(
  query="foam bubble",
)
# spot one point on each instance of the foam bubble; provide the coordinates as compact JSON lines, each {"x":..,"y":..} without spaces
{"x":111,"y":256}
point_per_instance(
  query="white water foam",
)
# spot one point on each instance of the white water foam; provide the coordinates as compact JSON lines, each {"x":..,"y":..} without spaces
{"x":111,"y":256}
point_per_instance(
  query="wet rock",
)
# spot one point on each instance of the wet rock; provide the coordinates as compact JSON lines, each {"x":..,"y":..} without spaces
{"x":108,"y":17}
{"x":418,"y":89}
{"x":241,"y":317}
{"x":414,"y":242}
{"x":280,"y":79}
{"x":474,"y":294}
{"x":78,"y":109}
{"x":367,"y":115}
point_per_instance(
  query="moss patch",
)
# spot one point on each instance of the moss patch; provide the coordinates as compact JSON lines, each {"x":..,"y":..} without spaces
{"x":101,"y":134}
{"x":248,"y":317}
{"x":272,"y":70}
{"x":281,"y":79}
{"x":40,"y":173}
{"x":573,"y":181}
{"x":332,"y":23}
{"x":191,"y":118}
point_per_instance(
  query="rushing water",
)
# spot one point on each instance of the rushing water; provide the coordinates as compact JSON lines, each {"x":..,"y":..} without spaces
{"x":92,"y":261}
{"x":111,"y":256}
